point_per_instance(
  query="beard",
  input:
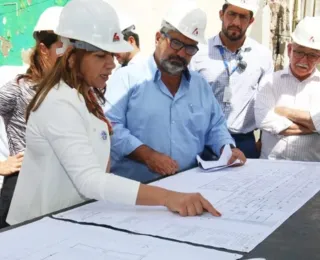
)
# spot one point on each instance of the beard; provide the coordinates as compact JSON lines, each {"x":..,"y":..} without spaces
{"x":173,"y":65}
{"x":125,"y":59}
{"x":232,"y":36}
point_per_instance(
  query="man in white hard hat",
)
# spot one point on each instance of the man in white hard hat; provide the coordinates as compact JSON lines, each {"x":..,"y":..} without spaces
{"x":130,"y":35}
{"x":163,"y":115}
{"x":287,"y":107}
{"x":234,"y":65}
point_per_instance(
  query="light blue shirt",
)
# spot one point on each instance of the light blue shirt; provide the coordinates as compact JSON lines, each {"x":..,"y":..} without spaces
{"x":143,"y":111}
{"x":243,"y":85}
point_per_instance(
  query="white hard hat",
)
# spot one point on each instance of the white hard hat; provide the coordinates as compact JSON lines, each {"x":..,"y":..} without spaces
{"x":188,"y":19}
{"x":307,"y":33}
{"x":48,"y":20}
{"x":251,"y":5}
{"x":126,"y":22}
{"x":93,"y":24}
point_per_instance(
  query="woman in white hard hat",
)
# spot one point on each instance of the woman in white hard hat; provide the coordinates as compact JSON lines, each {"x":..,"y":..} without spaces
{"x":68,"y":142}
{"x":16,"y":95}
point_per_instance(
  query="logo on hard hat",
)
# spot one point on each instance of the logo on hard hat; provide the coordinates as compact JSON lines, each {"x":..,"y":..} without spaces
{"x":311,"y":39}
{"x":195,"y":32}
{"x":243,"y":1}
{"x":116,"y":37}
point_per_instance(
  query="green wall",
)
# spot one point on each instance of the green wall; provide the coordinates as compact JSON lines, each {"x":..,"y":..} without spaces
{"x":17,"y":20}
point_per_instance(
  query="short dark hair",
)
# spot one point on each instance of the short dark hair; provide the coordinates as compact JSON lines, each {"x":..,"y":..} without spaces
{"x":225,"y":6}
{"x":128,"y":34}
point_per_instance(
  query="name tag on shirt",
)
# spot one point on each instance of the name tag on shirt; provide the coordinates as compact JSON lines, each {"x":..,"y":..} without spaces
{"x":227,"y":95}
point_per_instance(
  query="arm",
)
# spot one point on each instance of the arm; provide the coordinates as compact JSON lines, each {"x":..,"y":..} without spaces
{"x":8,"y":97}
{"x":11,"y":165}
{"x":217,"y":135}
{"x":123,"y":143}
{"x":117,"y":96}
{"x":296,"y":129}
{"x":185,"y":204}
{"x":69,"y":140}
{"x":141,"y":154}
{"x":299,"y":117}
{"x":266,"y":118}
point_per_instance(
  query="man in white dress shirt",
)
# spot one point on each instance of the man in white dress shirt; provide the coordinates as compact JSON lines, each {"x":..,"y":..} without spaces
{"x":234,"y":65}
{"x":287,"y":108}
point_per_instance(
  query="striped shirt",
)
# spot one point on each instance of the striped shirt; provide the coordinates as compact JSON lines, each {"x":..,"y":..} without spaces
{"x":239,"y":111}
{"x":287,"y":91}
{"x":6,"y":73}
{"x":14,"y":99}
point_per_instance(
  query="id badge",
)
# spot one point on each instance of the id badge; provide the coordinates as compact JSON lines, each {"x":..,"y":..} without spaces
{"x":227,"y":95}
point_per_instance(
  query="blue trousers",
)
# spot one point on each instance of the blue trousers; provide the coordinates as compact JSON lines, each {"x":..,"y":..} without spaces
{"x":247,"y":144}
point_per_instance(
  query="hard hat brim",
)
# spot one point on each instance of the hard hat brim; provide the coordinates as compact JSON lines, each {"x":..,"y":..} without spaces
{"x":305,"y":43}
{"x":117,"y":47}
{"x":253,"y":9}
{"x":198,"y":39}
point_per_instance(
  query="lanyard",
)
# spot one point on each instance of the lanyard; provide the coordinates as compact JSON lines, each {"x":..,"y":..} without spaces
{"x":221,"y":49}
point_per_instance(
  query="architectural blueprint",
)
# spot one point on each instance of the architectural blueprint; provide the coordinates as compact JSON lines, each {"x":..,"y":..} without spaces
{"x":50,"y":239}
{"x":254,"y":200}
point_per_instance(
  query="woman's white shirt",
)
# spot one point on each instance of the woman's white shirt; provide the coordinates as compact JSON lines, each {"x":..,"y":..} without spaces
{"x":65,"y":160}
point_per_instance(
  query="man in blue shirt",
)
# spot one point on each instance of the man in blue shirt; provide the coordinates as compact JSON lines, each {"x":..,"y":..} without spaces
{"x":164,"y":115}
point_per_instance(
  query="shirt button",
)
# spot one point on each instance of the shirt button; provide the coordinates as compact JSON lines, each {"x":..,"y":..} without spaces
{"x":173,"y":122}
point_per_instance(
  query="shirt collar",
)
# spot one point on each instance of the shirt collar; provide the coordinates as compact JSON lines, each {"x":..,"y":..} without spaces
{"x":217,"y":42}
{"x":287,"y":72}
{"x":157,"y":73}
{"x":135,"y":58}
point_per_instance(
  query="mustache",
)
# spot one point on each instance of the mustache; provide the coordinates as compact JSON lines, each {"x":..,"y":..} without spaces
{"x":181,"y":59}
{"x":305,"y":66}
{"x":234,"y":27}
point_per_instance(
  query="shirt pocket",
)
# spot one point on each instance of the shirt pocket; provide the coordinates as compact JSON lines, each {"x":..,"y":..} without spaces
{"x":197,"y":120}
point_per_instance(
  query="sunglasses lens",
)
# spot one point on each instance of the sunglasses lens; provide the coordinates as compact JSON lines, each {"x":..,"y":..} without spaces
{"x":191,"y":50}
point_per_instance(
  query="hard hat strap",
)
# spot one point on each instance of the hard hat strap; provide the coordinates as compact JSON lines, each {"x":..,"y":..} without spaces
{"x":65,"y":45}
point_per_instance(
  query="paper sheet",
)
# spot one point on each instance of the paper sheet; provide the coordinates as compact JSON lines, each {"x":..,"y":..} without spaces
{"x":254,"y":200}
{"x":219,"y":164}
{"x":57,"y":240}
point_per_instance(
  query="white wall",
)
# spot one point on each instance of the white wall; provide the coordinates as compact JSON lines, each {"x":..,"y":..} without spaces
{"x":148,"y":15}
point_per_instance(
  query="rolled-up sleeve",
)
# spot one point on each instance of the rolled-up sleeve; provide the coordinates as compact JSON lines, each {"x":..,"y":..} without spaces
{"x":266,"y":118}
{"x":218,"y":134}
{"x":117,"y":96}
{"x":69,"y":139}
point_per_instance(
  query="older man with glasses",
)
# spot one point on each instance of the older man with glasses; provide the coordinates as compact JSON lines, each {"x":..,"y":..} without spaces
{"x":287,"y":107}
{"x":163,"y":115}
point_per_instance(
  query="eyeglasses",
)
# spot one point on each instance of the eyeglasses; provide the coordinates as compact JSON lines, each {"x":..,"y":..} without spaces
{"x":178,"y":45}
{"x":310,"y":56}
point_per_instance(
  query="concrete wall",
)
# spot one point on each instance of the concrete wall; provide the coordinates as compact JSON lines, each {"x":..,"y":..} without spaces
{"x":18,"y":18}
{"x":148,"y":15}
